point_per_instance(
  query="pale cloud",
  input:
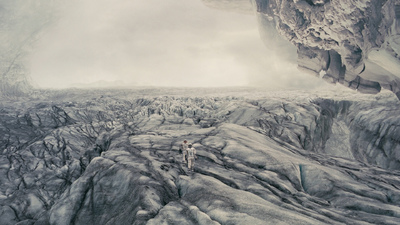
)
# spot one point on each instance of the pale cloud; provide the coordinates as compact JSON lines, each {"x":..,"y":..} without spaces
{"x":159,"y":43}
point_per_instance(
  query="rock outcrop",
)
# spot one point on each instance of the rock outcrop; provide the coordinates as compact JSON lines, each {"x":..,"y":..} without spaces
{"x":111,"y":157}
{"x":354,"y":43}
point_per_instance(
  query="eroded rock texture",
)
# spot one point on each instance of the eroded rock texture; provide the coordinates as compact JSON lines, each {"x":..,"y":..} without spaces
{"x":264,"y":158}
{"x":351,"y":42}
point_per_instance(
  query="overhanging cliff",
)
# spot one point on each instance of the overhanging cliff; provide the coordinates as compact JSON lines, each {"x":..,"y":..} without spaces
{"x":352,"y":42}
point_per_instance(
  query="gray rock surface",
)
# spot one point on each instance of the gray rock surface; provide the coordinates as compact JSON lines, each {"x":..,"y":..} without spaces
{"x":111,"y":157}
{"x":351,"y":42}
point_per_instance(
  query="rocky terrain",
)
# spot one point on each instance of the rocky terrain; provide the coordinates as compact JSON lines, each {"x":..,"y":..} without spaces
{"x":290,"y":157}
{"x":111,"y":157}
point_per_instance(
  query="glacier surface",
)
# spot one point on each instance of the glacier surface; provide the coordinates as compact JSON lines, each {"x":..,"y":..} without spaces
{"x":111,"y":157}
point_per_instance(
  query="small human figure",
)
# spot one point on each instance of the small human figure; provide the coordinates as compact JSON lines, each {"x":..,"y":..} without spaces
{"x":191,"y":153}
{"x":183,"y":148}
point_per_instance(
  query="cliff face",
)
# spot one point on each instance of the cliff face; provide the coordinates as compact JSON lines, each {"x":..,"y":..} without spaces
{"x":354,"y":43}
{"x":351,"y":42}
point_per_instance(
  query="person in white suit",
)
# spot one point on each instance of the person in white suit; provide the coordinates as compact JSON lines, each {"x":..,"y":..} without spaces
{"x":183,"y":149}
{"x":191,"y":155}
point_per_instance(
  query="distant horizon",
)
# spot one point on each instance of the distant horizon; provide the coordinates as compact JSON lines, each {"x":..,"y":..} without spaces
{"x":184,"y":43}
{"x":120,"y":84}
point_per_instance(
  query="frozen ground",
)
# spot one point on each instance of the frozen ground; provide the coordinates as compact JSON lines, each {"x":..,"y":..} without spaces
{"x":287,"y":157}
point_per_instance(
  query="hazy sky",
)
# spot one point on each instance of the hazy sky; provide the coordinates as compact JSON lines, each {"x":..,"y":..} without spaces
{"x":160,"y":43}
